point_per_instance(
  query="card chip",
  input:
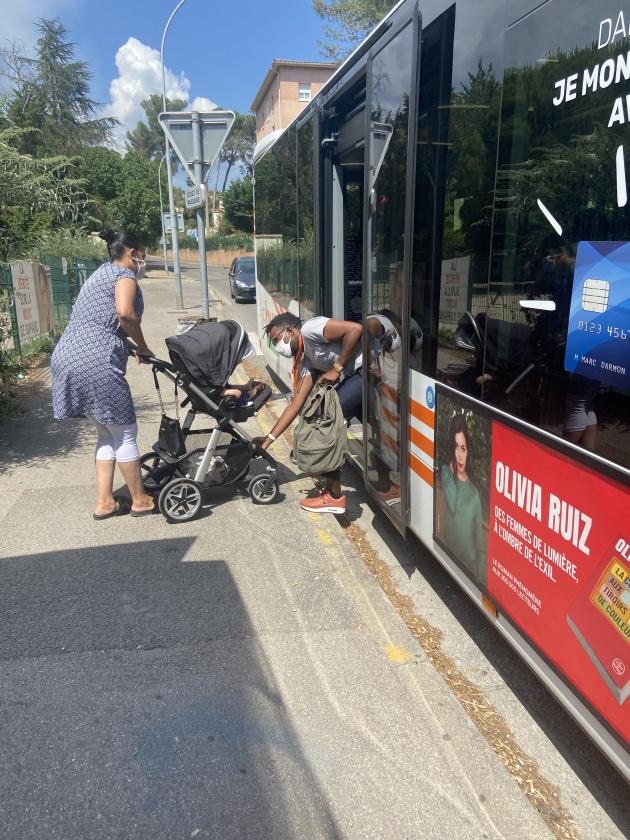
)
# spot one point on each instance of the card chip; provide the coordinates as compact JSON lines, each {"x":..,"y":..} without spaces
{"x":595,"y":295}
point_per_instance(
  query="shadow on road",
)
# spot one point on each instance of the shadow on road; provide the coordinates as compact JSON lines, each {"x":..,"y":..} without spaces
{"x":141,"y":703}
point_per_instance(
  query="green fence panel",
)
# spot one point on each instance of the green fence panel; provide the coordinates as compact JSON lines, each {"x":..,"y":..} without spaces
{"x":7,"y":305}
{"x":64,"y":288}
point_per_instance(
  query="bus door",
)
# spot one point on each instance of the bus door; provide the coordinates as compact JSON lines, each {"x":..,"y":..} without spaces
{"x":389,"y":180}
{"x":343,"y":147}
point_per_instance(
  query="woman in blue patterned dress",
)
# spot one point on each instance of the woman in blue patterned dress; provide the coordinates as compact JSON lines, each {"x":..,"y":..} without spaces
{"x":88,"y":370}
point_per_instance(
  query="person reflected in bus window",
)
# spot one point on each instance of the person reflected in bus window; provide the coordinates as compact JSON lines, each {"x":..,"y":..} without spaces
{"x":384,"y":346}
{"x":580,"y":420}
{"x":463,"y":531}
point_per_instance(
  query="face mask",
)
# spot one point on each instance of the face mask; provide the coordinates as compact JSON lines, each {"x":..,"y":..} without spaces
{"x":283,"y":348}
{"x":384,"y":341}
{"x":140,"y":264}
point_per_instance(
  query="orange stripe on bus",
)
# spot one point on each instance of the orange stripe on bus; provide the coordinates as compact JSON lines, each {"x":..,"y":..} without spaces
{"x":420,"y":412}
{"x":421,"y":441}
{"x":421,"y":469}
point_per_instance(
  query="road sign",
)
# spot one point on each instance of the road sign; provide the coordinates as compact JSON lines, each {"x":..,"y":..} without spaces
{"x":195,"y":197}
{"x":178,"y":128}
{"x":167,"y":222}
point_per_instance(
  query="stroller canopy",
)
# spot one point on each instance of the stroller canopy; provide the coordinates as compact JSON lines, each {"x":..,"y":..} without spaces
{"x":210,"y":352}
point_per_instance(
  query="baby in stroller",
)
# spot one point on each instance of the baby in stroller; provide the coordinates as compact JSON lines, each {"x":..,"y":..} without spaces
{"x":245,"y":394}
{"x":202,"y":361}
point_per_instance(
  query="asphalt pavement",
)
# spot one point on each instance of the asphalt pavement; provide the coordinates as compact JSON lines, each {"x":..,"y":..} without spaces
{"x":240,"y":676}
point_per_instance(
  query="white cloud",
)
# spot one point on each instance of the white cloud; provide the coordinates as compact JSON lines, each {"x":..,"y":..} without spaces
{"x":200,"y":103}
{"x":18,"y":19}
{"x":139,"y":75}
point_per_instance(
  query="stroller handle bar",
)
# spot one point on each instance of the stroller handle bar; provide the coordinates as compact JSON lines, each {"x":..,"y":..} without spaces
{"x":160,"y":364}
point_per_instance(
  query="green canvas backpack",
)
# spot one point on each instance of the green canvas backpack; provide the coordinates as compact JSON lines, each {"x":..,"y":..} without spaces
{"x":321,"y":439}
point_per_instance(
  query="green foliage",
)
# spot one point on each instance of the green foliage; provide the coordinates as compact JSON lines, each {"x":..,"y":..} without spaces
{"x":136,"y":206}
{"x":125,"y":190}
{"x":51,"y":93}
{"x":35,"y":195}
{"x":348,"y":23}
{"x":147,"y":138}
{"x":74,"y":245}
{"x":238,"y":205}
{"x":232,"y":242}
{"x":101,"y":170}
{"x":239,"y":146}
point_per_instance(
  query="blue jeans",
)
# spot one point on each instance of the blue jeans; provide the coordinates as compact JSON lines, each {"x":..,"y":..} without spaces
{"x":350,"y":393}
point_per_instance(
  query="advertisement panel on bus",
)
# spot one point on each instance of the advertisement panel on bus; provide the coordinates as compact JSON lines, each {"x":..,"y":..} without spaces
{"x":545,"y":536}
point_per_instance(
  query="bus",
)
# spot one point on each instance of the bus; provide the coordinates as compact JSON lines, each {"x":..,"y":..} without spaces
{"x":461,"y":180}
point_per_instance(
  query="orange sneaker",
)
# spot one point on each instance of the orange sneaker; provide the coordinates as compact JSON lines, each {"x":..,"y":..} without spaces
{"x":324,"y":504}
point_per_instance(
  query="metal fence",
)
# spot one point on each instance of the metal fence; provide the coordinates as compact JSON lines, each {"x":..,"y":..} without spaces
{"x":67,"y":277}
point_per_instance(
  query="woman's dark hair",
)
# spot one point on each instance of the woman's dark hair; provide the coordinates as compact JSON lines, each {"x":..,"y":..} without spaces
{"x":286,"y":320}
{"x":117,"y":243}
{"x":458,"y":424}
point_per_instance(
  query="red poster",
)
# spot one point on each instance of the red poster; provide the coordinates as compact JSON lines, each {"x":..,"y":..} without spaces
{"x":559,"y":565}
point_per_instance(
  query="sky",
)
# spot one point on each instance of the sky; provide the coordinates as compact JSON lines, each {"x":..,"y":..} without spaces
{"x":216,"y":52}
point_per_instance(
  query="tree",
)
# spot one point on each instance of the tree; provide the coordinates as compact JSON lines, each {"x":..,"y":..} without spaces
{"x":102,"y":173}
{"x":238,"y":205}
{"x":239,"y":146}
{"x":147,"y":138}
{"x":51,"y":94}
{"x":349,"y":22}
{"x":136,"y":205}
{"x":35,"y":195}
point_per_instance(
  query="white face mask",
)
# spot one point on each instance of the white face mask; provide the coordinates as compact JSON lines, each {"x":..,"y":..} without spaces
{"x":396,"y":342}
{"x":283,"y":348}
{"x":140,"y":264}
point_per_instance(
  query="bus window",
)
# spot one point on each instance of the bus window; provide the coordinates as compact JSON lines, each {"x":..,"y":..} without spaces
{"x":306,"y":219}
{"x":458,"y":122}
{"x":276,"y":221}
{"x":557,"y":337}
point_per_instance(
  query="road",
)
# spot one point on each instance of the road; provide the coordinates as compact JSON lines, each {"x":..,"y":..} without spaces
{"x":219,"y":286}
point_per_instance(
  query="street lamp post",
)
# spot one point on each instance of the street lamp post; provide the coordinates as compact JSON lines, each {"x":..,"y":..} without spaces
{"x":169,"y":173}
{"x":162,"y":213}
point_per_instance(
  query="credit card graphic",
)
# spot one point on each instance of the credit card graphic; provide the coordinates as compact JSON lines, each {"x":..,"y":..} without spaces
{"x":598,"y":335}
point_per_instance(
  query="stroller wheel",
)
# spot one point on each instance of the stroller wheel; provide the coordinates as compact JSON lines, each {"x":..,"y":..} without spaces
{"x":180,"y":500}
{"x":156,"y":473}
{"x":262,"y":490}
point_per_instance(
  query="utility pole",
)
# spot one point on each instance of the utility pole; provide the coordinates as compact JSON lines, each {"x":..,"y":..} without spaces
{"x":179,"y":298}
{"x":201,"y":227}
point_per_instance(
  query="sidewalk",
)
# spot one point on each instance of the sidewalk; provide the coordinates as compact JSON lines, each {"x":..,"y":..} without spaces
{"x":239,"y":676}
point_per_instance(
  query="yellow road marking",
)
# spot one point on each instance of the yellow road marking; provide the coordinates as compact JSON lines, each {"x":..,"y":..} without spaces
{"x":397,"y":654}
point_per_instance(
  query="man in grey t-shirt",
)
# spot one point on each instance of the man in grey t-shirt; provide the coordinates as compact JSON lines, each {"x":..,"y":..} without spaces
{"x":322,"y":349}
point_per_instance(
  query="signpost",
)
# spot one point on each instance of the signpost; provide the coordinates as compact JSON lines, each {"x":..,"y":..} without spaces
{"x":168,"y":227}
{"x":197,"y":139}
{"x":195,"y":197}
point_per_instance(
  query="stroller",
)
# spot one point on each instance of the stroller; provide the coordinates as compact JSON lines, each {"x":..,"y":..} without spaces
{"x":202,"y":360}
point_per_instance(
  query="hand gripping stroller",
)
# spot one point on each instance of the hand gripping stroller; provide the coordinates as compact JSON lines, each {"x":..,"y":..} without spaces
{"x":202,"y":360}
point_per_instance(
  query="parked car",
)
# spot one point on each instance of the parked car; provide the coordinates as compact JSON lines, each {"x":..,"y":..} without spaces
{"x":242,"y":278}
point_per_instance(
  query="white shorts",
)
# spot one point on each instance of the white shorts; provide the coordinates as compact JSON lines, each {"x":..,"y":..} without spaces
{"x":116,"y":443}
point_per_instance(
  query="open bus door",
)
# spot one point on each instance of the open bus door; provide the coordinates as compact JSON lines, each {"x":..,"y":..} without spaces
{"x":391,"y":121}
